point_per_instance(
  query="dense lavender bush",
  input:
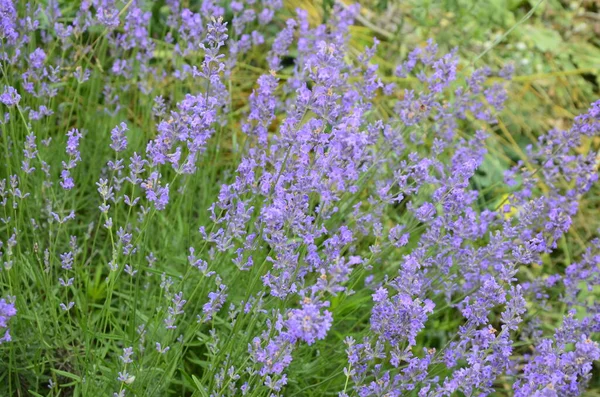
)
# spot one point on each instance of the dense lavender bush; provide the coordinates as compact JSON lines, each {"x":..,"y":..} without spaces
{"x":164,"y":233}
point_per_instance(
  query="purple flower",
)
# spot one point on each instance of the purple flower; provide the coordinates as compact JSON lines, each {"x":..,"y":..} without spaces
{"x":8,"y":21}
{"x":398,"y":238}
{"x":126,"y":356}
{"x":108,"y":16}
{"x":10,"y":97}
{"x":155,"y":193}
{"x":308,"y":323}
{"x":216,"y":299}
{"x":30,"y":153}
{"x":425,"y":212}
{"x":37,"y":58}
{"x":400,"y":318}
{"x":7,"y":310}
{"x":553,"y":369}
{"x":274,"y":357}
{"x":281,"y":44}
{"x":174,"y":310}
{"x":118,"y":138}
{"x":73,"y":137}
{"x":66,"y":260}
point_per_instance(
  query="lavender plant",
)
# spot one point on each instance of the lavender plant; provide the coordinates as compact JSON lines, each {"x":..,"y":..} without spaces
{"x":170,"y":226}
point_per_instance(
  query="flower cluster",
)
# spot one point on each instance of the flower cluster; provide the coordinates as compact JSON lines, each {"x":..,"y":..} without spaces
{"x":7,"y":310}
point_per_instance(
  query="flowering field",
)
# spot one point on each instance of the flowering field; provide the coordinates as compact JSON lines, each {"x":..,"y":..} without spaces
{"x":297,"y":198}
